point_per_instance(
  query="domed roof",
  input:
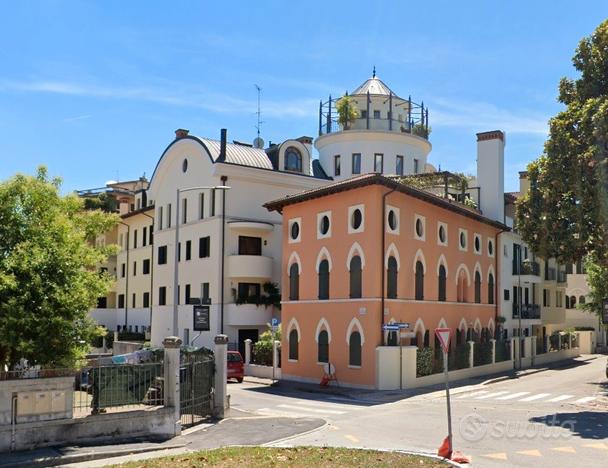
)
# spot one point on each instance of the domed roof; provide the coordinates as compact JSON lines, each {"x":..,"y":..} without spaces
{"x":374,"y":86}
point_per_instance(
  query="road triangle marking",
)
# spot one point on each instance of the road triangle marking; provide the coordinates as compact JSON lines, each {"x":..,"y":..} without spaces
{"x":496,"y":456}
{"x":531,"y":453}
{"x":597,"y":445}
{"x":564,"y":449}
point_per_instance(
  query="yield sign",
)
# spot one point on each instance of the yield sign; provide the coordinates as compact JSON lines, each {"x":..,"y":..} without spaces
{"x":443,"y":334}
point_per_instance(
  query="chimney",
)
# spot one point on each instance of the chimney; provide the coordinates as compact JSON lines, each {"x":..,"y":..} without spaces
{"x":124,"y":205}
{"x":524,"y":182}
{"x":222,"y":145}
{"x":181,"y":133}
{"x":491,"y":174}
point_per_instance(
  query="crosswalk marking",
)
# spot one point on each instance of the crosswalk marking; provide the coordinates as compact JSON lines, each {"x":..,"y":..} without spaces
{"x":482,"y":392}
{"x":491,"y":395}
{"x":564,"y":449}
{"x":536,"y":397}
{"x":313,"y":410}
{"x":560,"y":398}
{"x":327,"y":405}
{"x":531,"y":453}
{"x":496,"y":456}
{"x":513,"y":396}
{"x":585,"y":400}
{"x":597,"y":445}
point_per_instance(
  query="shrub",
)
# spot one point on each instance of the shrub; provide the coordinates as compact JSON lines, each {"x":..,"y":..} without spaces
{"x":482,"y":354}
{"x":424,"y":362}
{"x":503,"y":351}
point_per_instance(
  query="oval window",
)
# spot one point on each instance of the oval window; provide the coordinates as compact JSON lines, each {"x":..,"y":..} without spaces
{"x":442,"y":234}
{"x":490,"y":248}
{"x":324,"y":225}
{"x":419,"y":228}
{"x":295,"y":231}
{"x":463,"y":240}
{"x":185,"y":165}
{"x":356,"y":219}
{"x":477,"y":244}
{"x":392,"y":220}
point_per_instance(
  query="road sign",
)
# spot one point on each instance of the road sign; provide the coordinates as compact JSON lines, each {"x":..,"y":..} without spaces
{"x":390,"y":327}
{"x":201,"y":317}
{"x":443,"y":334}
{"x":605,"y":312}
{"x":274,"y":322}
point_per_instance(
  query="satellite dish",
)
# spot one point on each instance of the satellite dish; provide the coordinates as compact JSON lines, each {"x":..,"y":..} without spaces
{"x":258,"y":143}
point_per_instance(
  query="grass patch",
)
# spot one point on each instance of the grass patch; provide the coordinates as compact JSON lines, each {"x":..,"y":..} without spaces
{"x":295,"y":457}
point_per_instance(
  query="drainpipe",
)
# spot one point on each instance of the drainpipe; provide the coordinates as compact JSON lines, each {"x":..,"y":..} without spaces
{"x":224,"y":179}
{"x":382,"y":255}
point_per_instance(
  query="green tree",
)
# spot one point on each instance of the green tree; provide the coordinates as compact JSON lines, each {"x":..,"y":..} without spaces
{"x":48,"y":277}
{"x":597,"y":278}
{"x":103,"y":202}
{"x":347,"y":111}
{"x":564,"y":214}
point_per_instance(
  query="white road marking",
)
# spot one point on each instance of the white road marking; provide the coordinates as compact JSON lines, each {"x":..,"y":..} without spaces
{"x":513,"y":396}
{"x":536,"y":397}
{"x":327,"y":405}
{"x":470,"y":395}
{"x":585,"y":400}
{"x":313,"y":410}
{"x":491,"y":395}
{"x":560,"y":398}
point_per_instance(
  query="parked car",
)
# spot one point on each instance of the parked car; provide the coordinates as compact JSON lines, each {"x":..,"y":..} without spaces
{"x":236,"y":367}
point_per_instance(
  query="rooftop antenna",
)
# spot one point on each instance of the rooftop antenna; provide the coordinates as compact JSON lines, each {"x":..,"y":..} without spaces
{"x":374,"y":72}
{"x":258,"y":142}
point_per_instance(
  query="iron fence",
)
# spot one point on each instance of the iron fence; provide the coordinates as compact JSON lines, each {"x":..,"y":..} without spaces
{"x":196,"y":388}
{"x":503,"y":351}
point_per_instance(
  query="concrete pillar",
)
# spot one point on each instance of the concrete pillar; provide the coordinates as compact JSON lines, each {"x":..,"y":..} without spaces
{"x":275,"y":358}
{"x":115,"y":336}
{"x":559,"y":342}
{"x":513,"y":349}
{"x":569,"y":340}
{"x":493,"y":341}
{"x":527,"y":346}
{"x":471,"y":353}
{"x":104,"y":344}
{"x":247,"y":351}
{"x":221,"y":376}
{"x":172,"y":346}
{"x":533,"y":346}
{"x":547,"y":343}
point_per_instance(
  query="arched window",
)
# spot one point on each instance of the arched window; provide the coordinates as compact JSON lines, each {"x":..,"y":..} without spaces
{"x":461,"y":295}
{"x":294,"y":282}
{"x":293,"y":160}
{"x":391,"y":280}
{"x":477,"y":287}
{"x":354,"y":349}
{"x":442,"y":281}
{"x":567,"y":302}
{"x":324,"y":279}
{"x":581,"y":299}
{"x":573,"y":302}
{"x":355,"y":277}
{"x":323,"y":347}
{"x":293,"y":344}
{"x":419,"y":281}
{"x":490,"y":288}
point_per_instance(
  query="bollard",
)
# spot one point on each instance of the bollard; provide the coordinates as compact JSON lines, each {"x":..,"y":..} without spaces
{"x":471,"y":353}
{"x":493,"y":341}
{"x":172,"y":345}
{"x":275,"y":358}
{"x":221,"y":376}
{"x":247,"y":351}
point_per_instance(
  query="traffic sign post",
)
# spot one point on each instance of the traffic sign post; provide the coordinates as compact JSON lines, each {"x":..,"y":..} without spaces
{"x":443,"y":335}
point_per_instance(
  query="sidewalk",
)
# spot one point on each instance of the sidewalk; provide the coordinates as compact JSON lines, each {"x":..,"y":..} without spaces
{"x":230,"y":431}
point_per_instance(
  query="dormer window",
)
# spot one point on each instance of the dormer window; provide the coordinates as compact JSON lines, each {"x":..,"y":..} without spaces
{"x":293,"y":160}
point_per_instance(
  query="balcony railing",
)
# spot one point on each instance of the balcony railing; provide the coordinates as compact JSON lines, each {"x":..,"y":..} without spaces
{"x":527,"y":268}
{"x":528,"y":311}
{"x":562,"y":277}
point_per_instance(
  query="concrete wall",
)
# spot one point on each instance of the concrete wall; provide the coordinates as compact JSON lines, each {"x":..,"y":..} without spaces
{"x":547,"y":358}
{"x":586,"y":342}
{"x":125,"y":347}
{"x":110,"y":426}
{"x":263,"y":372}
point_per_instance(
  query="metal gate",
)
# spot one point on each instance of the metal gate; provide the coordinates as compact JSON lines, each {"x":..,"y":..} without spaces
{"x":196,"y":375}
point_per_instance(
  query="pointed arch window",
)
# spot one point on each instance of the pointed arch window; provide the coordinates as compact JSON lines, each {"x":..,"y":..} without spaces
{"x":355,"y":277}
{"x":391,"y":279}
{"x":461,"y":293}
{"x":324,"y":279}
{"x":442,"y":282}
{"x":294,"y":282}
{"x":354,"y":349}
{"x":490,"y":288}
{"x":293,"y":345}
{"x":477,"y":287}
{"x":323,"y":347}
{"x":419,"y":296}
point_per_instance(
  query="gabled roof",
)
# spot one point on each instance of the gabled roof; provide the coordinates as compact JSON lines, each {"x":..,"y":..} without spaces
{"x":374,"y":86}
{"x":242,"y":155}
{"x":378,"y":179}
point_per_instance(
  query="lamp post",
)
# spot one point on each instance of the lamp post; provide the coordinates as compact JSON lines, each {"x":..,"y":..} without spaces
{"x":127,"y":274}
{"x":176,"y":263}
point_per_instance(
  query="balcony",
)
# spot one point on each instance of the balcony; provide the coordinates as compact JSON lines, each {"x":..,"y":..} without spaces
{"x":250,"y":226}
{"x":527,"y":268}
{"x":528,"y":311}
{"x":247,"y":315}
{"x":249,"y":266}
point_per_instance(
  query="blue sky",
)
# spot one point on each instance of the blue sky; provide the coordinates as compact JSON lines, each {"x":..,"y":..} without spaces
{"x":94,"y":90}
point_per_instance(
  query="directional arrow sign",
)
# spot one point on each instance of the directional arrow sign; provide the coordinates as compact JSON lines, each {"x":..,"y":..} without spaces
{"x":390,"y":327}
{"x":443,"y":334}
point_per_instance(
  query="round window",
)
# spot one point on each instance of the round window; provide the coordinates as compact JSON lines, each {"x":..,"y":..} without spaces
{"x":477,"y":244}
{"x":295,"y":231}
{"x":490,"y":248}
{"x":463,"y":240}
{"x":392,"y":220}
{"x":356,"y":219}
{"x":419,"y":228}
{"x":324,"y":225}
{"x":185,"y":165}
{"x":442,"y":234}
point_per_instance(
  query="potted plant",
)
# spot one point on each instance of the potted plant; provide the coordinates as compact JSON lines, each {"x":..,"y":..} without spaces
{"x":347,"y":111}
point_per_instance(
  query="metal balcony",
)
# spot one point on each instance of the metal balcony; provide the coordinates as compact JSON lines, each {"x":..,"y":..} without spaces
{"x":528,"y":311}
{"x":526,"y":268}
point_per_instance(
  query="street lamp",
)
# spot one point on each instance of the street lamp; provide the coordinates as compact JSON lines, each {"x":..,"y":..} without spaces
{"x":176,"y":263}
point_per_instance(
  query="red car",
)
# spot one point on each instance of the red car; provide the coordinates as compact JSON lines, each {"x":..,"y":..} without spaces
{"x":236,"y":367}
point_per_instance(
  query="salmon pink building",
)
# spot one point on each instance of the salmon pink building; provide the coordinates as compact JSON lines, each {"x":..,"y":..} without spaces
{"x":371,"y":250}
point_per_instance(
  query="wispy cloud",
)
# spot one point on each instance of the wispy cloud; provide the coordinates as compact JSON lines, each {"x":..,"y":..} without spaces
{"x":171,"y":94}
{"x":481,"y":116}
{"x":76,"y":118}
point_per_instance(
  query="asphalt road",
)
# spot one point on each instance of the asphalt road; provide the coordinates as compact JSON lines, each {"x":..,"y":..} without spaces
{"x":554,"y":417}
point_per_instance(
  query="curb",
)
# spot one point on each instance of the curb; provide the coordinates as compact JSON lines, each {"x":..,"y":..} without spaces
{"x":87,"y":456}
{"x":285,"y":439}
